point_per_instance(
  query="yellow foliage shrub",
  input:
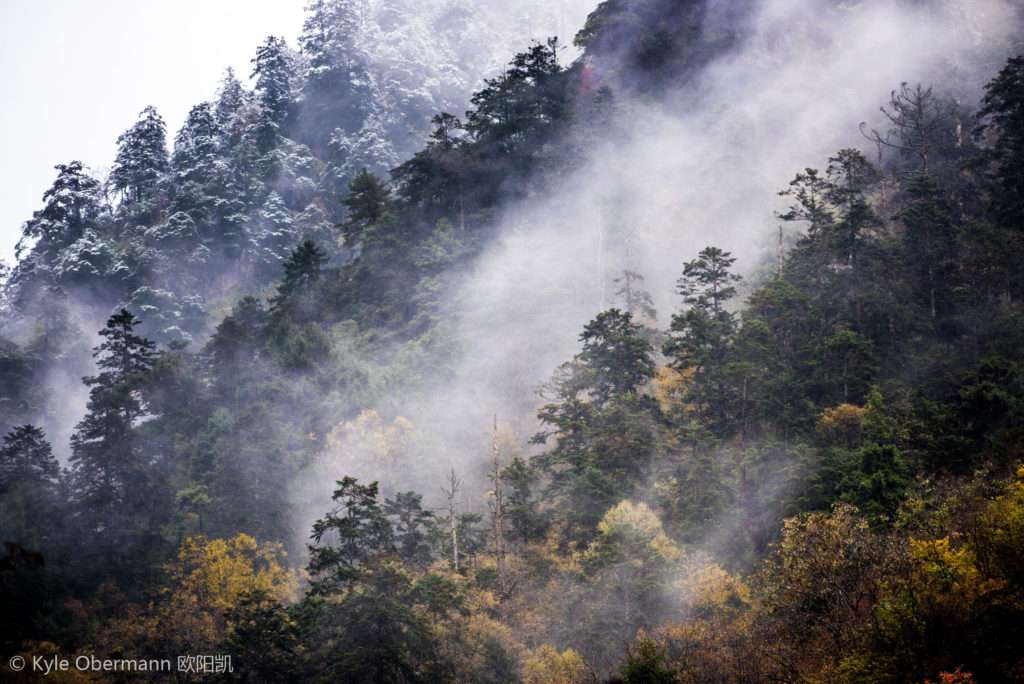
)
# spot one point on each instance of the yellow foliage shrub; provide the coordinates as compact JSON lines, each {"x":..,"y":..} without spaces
{"x":842,"y":424}
{"x":545,"y":665}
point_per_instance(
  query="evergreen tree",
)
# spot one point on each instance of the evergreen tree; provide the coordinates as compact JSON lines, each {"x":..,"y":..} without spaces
{"x":351,"y":539}
{"x":1002,"y":116}
{"x":71,"y":204}
{"x":302,"y":270}
{"x":522,"y":506}
{"x":337,"y":91}
{"x":930,"y":244}
{"x":272,"y":69}
{"x":367,"y":203}
{"x":230,"y":97}
{"x":411,"y":524}
{"x":518,"y":111}
{"x":617,"y":356}
{"x":636,"y":300}
{"x":29,"y":487}
{"x":701,"y":336}
{"x":110,"y":480}
{"x":432,"y":179}
{"x":605,"y":431}
{"x":141,"y":159}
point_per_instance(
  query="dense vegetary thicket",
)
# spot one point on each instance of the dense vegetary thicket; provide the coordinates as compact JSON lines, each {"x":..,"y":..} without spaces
{"x":818,"y":480}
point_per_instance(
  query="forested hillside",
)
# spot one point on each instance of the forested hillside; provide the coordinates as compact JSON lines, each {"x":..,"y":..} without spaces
{"x":573,"y":386}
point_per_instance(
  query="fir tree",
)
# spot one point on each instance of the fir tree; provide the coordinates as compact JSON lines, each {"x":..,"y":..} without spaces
{"x":272,"y":70}
{"x":29,"y":486}
{"x":141,"y":159}
{"x":367,"y":203}
{"x":109,"y":477}
{"x":71,"y":204}
{"x":701,"y":336}
{"x":301,"y":271}
{"x":337,"y":91}
{"x":617,"y":356}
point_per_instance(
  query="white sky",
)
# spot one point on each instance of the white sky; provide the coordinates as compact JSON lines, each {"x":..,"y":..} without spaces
{"x":74,"y":74}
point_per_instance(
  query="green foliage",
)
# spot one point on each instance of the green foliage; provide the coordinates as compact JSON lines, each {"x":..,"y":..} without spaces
{"x":349,"y":541}
{"x":367,"y":205}
{"x":646,"y":664}
{"x":30,"y":486}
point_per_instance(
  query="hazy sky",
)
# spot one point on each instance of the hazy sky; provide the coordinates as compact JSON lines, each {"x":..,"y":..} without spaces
{"x":75,"y":73}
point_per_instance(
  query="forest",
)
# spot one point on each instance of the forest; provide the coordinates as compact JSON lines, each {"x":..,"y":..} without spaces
{"x":606,"y":379}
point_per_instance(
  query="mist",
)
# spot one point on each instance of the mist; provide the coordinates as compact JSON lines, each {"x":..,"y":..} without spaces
{"x":699,"y":165}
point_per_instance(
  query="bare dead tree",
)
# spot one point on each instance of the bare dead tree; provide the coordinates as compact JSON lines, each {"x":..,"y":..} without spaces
{"x":918,"y":121}
{"x":451,"y":492}
{"x":497,"y":508}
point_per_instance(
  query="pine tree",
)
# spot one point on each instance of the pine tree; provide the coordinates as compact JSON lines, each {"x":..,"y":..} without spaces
{"x":930,"y":245}
{"x":349,"y":540}
{"x":432,"y":179}
{"x":921,"y":126}
{"x":523,"y":106}
{"x":29,"y":487}
{"x":411,"y":524}
{"x":26,"y":459}
{"x":109,"y":478}
{"x":616,"y":354}
{"x":268,"y":239}
{"x":809,"y":191}
{"x":272,"y":69}
{"x":367,"y":203}
{"x":301,"y":271}
{"x":141,"y":159}
{"x":604,"y":430}
{"x":230,"y":98}
{"x":1002,"y":116}
{"x":194,"y":164}
{"x":71,"y":204}
{"x":701,"y":336}
{"x":337,"y":93}
{"x":636,"y":300}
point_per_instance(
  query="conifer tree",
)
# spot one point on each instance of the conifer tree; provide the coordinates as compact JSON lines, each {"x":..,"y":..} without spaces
{"x":367,"y":204}
{"x":930,"y":245}
{"x":109,"y":477}
{"x":230,"y":98}
{"x":616,"y":355}
{"x":272,"y":70}
{"x":301,"y":271}
{"x":604,"y":430}
{"x":29,"y":487}
{"x":337,"y":91}
{"x":701,"y":336}
{"x":70,"y":205}
{"x":351,"y":539}
{"x":411,"y":524}
{"x":141,"y":159}
{"x":1002,"y":116}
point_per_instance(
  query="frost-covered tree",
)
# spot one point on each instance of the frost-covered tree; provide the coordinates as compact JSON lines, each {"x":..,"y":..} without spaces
{"x":338,"y":88}
{"x":195,"y":145}
{"x":141,"y":158}
{"x":272,"y":69}
{"x":194,"y":163}
{"x":72,"y":203}
{"x":72,"y":207}
{"x":230,"y":97}
{"x":270,"y":236}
